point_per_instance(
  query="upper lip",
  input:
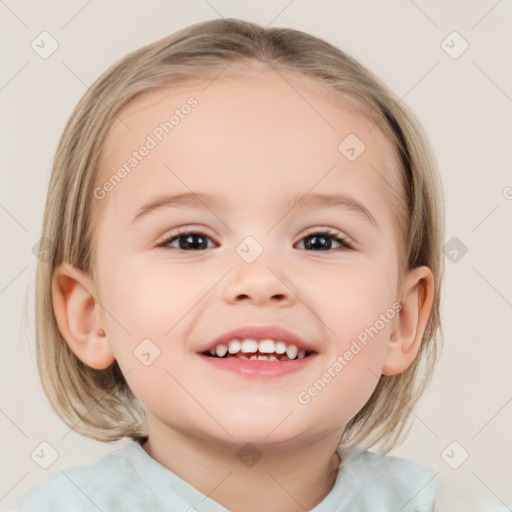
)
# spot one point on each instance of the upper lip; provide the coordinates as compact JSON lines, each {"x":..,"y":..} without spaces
{"x":259,"y":332}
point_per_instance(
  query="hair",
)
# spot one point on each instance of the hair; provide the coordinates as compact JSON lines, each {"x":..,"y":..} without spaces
{"x":99,"y":403}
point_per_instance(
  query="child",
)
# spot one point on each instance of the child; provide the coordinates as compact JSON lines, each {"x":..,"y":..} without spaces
{"x":253,"y":370}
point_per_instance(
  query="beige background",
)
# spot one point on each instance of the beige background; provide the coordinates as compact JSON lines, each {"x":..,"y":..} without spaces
{"x":465,"y":104}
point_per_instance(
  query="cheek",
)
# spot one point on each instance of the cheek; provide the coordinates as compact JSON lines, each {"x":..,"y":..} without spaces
{"x":349,"y":299}
{"x":155,"y":308}
{"x":152,"y":298}
{"x":150,"y":305}
{"x":359,"y":313}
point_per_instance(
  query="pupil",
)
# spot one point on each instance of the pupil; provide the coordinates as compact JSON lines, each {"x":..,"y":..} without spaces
{"x":189,"y":244}
{"x":315,"y":238}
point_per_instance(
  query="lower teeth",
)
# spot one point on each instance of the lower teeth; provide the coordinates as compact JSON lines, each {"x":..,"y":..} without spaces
{"x":260,"y":357}
{"x":265,"y":358}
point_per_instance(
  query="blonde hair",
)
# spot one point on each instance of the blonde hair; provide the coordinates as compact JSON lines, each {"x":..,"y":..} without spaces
{"x":99,"y":403}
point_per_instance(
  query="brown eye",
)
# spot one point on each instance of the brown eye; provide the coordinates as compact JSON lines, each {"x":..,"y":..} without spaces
{"x":322,"y":241}
{"x":187,"y":241}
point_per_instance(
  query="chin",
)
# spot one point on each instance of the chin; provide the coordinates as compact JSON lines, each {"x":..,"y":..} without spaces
{"x":272,"y":430}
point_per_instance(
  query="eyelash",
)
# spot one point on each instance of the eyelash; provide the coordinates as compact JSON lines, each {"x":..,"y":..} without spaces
{"x":327,"y":233}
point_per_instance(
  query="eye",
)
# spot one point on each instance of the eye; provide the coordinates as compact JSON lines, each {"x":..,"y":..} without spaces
{"x":187,"y":241}
{"x":197,"y":240}
{"x":318,"y":239}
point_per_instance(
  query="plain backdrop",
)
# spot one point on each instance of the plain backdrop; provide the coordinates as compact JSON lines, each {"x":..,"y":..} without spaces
{"x":463,"y":101}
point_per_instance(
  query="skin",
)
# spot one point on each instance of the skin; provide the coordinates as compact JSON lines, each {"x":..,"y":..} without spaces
{"x":253,"y":142}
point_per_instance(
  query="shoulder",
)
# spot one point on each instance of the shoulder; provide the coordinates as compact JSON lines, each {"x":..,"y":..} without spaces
{"x":88,"y":487}
{"x":455,"y":494}
{"x":396,"y":469}
{"x":389,"y":481}
{"x":403,"y":484}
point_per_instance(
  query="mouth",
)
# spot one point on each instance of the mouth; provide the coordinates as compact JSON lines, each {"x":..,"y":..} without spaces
{"x":258,"y":352}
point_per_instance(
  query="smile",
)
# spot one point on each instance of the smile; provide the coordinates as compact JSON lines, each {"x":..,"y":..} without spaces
{"x":263,"y":350}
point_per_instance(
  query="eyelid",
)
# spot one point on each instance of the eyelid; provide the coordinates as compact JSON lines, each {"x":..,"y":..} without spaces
{"x":185,"y":228}
{"x":330,"y":231}
{"x":181,"y":231}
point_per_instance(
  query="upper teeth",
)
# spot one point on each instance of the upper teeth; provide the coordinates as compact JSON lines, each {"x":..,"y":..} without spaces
{"x":267,"y":346}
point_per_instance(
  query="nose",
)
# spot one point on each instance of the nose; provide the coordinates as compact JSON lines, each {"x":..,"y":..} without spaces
{"x":256,"y":283}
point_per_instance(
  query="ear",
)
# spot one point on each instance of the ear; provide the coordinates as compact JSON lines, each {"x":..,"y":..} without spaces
{"x":79,"y":316}
{"x":405,"y":340}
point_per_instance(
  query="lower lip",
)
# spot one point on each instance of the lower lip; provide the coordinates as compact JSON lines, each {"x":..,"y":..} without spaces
{"x":258,"y":368}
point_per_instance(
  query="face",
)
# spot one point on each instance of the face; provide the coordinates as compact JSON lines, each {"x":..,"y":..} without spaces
{"x":174,"y":277}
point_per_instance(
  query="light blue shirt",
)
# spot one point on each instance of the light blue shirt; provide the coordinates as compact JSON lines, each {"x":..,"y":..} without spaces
{"x":129,"y":480}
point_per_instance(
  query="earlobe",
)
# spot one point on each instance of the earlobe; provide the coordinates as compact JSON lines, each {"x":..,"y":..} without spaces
{"x":80,"y":317}
{"x":417,"y":302}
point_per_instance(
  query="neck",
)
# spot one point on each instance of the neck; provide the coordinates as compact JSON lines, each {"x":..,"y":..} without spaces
{"x":249,"y":480}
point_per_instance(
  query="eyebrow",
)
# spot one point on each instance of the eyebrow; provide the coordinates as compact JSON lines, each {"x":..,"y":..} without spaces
{"x":201,"y":200}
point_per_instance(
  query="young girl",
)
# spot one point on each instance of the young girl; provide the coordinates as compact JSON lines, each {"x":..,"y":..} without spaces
{"x":244,"y":279}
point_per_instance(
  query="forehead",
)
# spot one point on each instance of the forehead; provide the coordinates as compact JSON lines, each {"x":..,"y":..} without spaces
{"x":259,"y":135}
